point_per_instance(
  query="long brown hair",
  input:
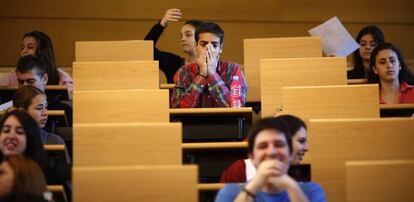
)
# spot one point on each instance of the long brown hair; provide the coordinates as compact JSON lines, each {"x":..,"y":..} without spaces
{"x":28,"y":177}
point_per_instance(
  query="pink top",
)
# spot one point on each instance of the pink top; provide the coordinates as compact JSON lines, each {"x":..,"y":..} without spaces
{"x":64,"y":79}
{"x":406,"y":94}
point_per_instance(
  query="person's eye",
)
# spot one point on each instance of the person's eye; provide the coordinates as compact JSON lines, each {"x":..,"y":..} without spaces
{"x":20,"y":131}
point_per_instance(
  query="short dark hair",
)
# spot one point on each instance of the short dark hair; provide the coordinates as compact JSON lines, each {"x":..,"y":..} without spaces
{"x":404,"y":75}
{"x":209,"y":27}
{"x":293,"y":124}
{"x":24,"y":95}
{"x":359,"y":71}
{"x":194,"y":23}
{"x":28,"y":63}
{"x":46,"y":54}
{"x":272,"y":123}
{"x":34,"y":147}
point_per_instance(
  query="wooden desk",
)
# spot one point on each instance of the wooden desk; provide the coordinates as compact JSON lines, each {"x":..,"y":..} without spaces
{"x":357,"y":81}
{"x":58,"y":192}
{"x":214,"y":145}
{"x":167,"y":86}
{"x":59,"y":150}
{"x":54,"y":115}
{"x":397,"y":110}
{"x":197,"y":123}
{"x":210,"y":186}
{"x":61,"y":91}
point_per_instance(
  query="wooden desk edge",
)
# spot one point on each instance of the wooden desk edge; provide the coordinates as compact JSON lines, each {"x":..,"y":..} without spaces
{"x":215,"y":145}
{"x":211,"y":110}
{"x":396,"y":106}
{"x":210,"y":186}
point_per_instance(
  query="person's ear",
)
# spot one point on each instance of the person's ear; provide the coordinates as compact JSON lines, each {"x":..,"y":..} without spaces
{"x":45,"y":78}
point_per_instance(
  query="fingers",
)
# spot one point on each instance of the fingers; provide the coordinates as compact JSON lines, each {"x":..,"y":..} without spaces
{"x":173,"y":15}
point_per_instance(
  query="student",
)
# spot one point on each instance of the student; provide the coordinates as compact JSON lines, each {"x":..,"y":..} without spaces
{"x":389,"y":70}
{"x":20,"y":175}
{"x":207,"y":82}
{"x":271,"y":151}
{"x":31,"y":71}
{"x":244,"y":170}
{"x":20,"y":135}
{"x":169,"y":63}
{"x":368,"y":38}
{"x":33,"y":101}
{"x":39,"y":45}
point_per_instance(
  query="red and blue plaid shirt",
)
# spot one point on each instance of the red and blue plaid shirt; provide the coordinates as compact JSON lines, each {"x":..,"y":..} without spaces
{"x":194,"y":91}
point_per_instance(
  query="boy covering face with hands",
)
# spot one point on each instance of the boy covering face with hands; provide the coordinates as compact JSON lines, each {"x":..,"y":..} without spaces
{"x":207,"y":82}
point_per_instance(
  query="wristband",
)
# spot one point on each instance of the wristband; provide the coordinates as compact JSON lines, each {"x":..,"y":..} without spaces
{"x":249,"y":193}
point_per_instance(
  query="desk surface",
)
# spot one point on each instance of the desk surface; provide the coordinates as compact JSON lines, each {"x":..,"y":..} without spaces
{"x":215,"y":145}
{"x":210,"y":186}
{"x":167,"y":86}
{"x":58,"y":148}
{"x":58,"y":192}
{"x":396,"y":106}
{"x":210,"y":111}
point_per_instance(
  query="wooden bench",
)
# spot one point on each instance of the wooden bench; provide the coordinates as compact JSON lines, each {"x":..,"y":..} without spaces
{"x":341,"y":101}
{"x":332,"y":142}
{"x":135,"y":183}
{"x":290,"y":47}
{"x":116,"y":75}
{"x":121,"y":106}
{"x":127,"y":144}
{"x":278,"y":73}
{"x":113,"y":50}
{"x":372,"y":181}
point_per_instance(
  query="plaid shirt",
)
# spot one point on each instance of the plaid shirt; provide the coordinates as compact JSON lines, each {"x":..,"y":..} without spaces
{"x":194,"y":91}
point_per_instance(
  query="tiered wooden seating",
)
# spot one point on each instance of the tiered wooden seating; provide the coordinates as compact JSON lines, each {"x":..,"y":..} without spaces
{"x":372,"y":181}
{"x":127,"y":144}
{"x":278,"y":73}
{"x":342,"y":101}
{"x":121,"y":106}
{"x":135,"y":183}
{"x":256,"y":49}
{"x":113,"y":50}
{"x":332,"y":142}
{"x":116,"y":75}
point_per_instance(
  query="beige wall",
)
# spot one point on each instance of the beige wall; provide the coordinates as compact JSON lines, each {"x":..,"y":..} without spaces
{"x":70,"y":21}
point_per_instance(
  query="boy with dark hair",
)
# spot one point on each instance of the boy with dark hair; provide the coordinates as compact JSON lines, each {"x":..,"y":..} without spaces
{"x":207,"y":83}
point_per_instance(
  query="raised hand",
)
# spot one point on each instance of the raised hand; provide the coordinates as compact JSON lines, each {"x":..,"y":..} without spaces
{"x":171,"y":15}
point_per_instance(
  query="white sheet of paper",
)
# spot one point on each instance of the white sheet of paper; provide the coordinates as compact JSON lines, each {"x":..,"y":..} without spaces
{"x":336,"y":40}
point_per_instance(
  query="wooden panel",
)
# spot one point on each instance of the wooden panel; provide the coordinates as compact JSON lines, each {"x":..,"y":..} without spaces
{"x":332,"y":142}
{"x":343,"y":101}
{"x":113,"y":50}
{"x":278,"y":73}
{"x":118,"y":75}
{"x":65,"y":32}
{"x":256,"y":49}
{"x":372,"y":181}
{"x":135,"y":183}
{"x":133,"y":144}
{"x":242,"y":10}
{"x":120,"y":106}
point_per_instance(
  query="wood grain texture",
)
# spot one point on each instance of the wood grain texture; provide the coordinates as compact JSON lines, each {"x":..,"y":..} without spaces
{"x":256,"y":49}
{"x":113,"y":50}
{"x":372,"y":181}
{"x":333,"y":142}
{"x":120,"y":106}
{"x":339,"y":101}
{"x":135,"y":183}
{"x":116,"y":75}
{"x":127,"y":144}
{"x":278,"y":73}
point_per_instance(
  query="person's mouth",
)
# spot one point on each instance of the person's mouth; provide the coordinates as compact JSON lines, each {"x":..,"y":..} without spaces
{"x":10,"y":144}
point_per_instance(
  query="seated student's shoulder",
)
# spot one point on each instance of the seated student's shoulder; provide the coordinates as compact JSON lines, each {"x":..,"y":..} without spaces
{"x":313,"y":191}
{"x":228,"y":193}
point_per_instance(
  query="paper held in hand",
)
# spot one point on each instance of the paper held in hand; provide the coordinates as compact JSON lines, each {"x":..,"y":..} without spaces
{"x":336,"y":40}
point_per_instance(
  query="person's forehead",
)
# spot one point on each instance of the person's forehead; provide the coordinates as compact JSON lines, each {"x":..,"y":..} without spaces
{"x":209,"y":37}
{"x":187,"y":28}
{"x":386,"y":53}
{"x":269,"y":135}
{"x":12,"y":120}
{"x":27,"y":75}
{"x":367,"y":37}
{"x":29,"y":39}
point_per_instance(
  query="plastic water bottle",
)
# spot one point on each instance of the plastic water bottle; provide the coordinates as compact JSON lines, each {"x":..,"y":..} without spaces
{"x":236,"y":92}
